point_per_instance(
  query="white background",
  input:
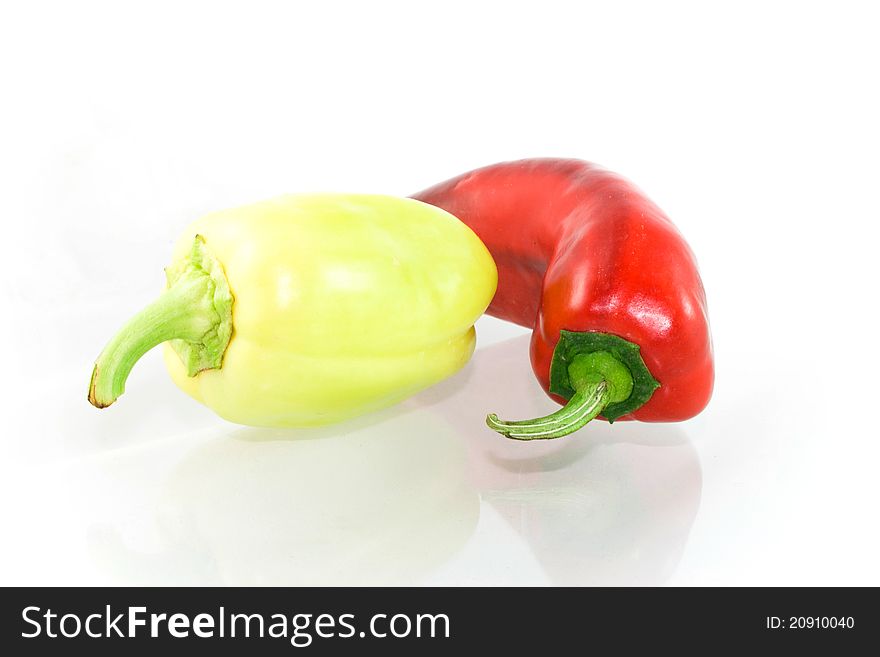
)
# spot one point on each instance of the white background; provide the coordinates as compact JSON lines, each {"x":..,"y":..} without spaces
{"x":754,"y":125}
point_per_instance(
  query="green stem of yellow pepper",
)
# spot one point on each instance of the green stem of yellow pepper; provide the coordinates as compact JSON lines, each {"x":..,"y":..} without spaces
{"x":195,"y":313}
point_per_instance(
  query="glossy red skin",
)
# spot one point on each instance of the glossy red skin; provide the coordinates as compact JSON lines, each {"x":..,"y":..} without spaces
{"x":582,"y":249}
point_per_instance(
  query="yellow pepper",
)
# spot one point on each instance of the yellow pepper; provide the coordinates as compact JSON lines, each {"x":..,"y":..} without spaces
{"x":310,"y":308}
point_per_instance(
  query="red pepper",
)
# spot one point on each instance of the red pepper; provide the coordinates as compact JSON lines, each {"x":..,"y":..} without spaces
{"x":605,"y":280}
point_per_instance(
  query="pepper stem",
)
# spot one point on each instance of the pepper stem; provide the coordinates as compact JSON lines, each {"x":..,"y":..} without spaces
{"x":195,"y":311}
{"x":585,"y":405}
{"x":598,"y":379}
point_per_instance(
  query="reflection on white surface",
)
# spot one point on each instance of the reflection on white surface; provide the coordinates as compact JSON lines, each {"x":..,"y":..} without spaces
{"x":615,"y":516}
{"x":609,"y":505}
{"x":423,"y":492}
{"x":377,"y":504}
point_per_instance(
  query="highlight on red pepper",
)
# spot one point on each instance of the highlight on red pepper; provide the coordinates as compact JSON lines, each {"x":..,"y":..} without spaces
{"x":605,"y":280}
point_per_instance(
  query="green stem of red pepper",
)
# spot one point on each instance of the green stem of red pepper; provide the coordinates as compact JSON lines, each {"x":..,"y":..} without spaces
{"x":598,"y":379}
{"x":583,"y":407}
{"x":599,"y":374}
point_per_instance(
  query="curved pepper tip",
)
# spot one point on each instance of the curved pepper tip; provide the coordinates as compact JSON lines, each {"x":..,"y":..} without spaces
{"x":494,"y":423}
{"x":94,"y":400}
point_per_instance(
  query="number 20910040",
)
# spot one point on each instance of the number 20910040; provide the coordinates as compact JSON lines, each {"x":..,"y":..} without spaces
{"x":810,"y":622}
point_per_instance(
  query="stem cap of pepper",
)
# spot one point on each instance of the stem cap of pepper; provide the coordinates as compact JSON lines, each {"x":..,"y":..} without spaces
{"x":598,"y":373}
{"x":573,"y":344}
{"x":194,"y":313}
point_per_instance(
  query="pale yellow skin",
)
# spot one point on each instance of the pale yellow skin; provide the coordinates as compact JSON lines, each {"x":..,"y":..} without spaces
{"x":343,"y":304}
